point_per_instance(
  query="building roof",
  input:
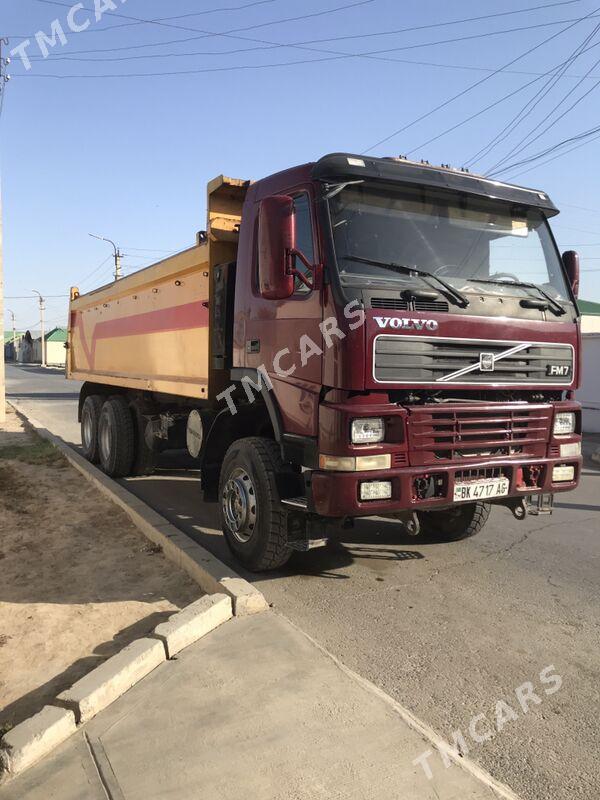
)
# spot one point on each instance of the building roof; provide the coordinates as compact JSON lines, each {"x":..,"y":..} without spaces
{"x":588,"y":308}
{"x":56,"y":335}
{"x":8,"y":335}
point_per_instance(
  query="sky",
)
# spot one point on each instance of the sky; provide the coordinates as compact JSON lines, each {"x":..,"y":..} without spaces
{"x":98,"y":137}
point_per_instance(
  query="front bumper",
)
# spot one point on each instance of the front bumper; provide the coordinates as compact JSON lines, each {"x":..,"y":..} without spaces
{"x":336,"y":494}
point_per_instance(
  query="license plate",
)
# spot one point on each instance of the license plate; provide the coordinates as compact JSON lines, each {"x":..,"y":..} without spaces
{"x":481,"y":490}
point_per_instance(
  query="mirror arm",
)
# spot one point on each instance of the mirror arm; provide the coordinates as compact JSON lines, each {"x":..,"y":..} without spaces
{"x":291,"y":270}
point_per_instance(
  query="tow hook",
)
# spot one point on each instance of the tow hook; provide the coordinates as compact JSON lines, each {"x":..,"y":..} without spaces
{"x":518,"y":508}
{"x":410,"y":520}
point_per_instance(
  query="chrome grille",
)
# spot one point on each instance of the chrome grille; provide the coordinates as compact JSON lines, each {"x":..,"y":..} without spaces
{"x":420,"y":359}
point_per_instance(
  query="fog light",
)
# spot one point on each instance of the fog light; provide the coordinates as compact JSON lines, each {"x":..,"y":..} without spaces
{"x":563,"y":473}
{"x":367,"y":431}
{"x":352,"y":464}
{"x":564,"y":423}
{"x":570,"y":450}
{"x":375,"y":490}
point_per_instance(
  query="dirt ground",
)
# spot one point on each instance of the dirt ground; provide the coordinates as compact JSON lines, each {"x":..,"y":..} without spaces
{"x":77,"y":580}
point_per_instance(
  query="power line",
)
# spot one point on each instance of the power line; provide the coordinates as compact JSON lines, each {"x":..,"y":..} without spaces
{"x":209,"y":34}
{"x":96,"y":29}
{"x":471,"y":87}
{"x":343,"y":56}
{"x":96,"y":270}
{"x":554,"y":122}
{"x":297,"y":45}
{"x":529,"y":139}
{"x":337,"y":38}
{"x":533,"y":102}
{"x":483,"y":110}
{"x":559,"y":155}
{"x":547,"y":151}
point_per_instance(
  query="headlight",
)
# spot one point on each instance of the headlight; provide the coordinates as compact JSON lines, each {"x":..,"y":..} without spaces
{"x":367,"y":431}
{"x":564,"y":423}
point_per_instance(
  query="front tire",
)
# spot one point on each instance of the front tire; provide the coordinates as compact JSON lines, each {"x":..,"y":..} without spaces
{"x":453,"y":524}
{"x":253,"y":522}
{"x":90,"y":420}
{"x":116,"y":437}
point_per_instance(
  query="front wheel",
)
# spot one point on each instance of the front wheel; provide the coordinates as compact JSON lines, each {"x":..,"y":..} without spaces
{"x":253,"y":522}
{"x":453,"y":524}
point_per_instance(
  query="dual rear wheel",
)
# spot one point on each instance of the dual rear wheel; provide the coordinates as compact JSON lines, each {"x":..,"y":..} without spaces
{"x":112,"y":435}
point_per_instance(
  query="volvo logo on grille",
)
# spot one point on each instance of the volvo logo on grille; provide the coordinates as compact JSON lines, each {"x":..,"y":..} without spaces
{"x":486,"y":362}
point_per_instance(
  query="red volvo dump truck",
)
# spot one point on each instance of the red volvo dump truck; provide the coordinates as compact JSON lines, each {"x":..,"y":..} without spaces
{"x":352,"y":337}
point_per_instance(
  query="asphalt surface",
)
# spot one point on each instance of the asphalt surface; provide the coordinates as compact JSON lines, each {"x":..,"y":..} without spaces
{"x":449,"y":631}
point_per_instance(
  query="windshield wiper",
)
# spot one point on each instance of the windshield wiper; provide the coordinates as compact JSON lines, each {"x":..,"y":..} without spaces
{"x":404,"y":269}
{"x":554,"y":305}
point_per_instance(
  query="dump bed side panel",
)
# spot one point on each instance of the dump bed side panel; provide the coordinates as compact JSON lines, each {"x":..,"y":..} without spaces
{"x":148,"y":331}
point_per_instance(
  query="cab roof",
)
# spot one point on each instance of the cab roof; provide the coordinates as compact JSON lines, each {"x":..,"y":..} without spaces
{"x":344,"y":166}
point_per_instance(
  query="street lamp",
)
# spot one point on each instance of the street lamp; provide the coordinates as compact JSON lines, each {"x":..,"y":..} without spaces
{"x":14,"y":330}
{"x":117,"y":254}
{"x":42,"y":309}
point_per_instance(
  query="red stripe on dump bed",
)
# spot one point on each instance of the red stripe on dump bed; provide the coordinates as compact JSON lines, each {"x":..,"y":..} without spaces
{"x":176,"y":318}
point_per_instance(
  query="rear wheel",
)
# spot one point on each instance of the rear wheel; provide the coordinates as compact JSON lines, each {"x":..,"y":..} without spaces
{"x":453,"y":524}
{"x":116,"y":437}
{"x":90,"y":420}
{"x":253,"y":522}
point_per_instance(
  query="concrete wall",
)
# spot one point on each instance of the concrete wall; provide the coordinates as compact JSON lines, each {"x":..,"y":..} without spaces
{"x":55,"y":353}
{"x":589,"y":394}
{"x":590,"y":323}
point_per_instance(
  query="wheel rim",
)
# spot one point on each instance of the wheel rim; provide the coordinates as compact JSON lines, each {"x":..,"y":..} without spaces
{"x":88,"y":431}
{"x":238,"y":502}
{"x":105,"y":442}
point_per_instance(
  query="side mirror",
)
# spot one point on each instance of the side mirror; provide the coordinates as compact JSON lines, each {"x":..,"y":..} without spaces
{"x":276,"y":242}
{"x":571,"y":262}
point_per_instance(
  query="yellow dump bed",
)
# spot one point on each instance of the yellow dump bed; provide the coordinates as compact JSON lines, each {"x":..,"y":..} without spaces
{"x":150,"y":330}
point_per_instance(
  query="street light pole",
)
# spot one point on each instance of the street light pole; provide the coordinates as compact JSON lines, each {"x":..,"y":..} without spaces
{"x":117,"y":254}
{"x":42,"y":309}
{"x":14,"y":330}
{"x":4,"y":78}
{"x":2,"y":372}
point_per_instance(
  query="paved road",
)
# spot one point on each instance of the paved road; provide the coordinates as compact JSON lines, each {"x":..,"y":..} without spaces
{"x":448,"y":630}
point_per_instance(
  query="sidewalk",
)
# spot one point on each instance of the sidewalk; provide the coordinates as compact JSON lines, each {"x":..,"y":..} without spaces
{"x":253,"y":710}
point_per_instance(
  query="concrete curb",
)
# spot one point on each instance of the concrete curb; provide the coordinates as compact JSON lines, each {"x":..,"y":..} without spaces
{"x":209,"y":573}
{"x":34,"y":738}
{"x":194,"y":622}
{"x":37,"y":736}
{"x":103,"y":685}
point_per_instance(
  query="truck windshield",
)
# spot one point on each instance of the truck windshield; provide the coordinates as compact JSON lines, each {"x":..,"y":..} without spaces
{"x":455,"y":237}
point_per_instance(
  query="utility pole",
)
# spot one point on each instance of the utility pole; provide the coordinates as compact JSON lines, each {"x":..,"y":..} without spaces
{"x":4,"y":78}
{"x":117,"y":254}
{"x":14,"y":330}
{"x":43,"y":342}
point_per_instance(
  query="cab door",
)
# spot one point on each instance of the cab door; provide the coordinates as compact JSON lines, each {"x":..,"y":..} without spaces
{"x":284,"y":335}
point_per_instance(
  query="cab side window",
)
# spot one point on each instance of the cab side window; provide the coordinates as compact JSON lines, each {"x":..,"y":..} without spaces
{"x":304,"y":240}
